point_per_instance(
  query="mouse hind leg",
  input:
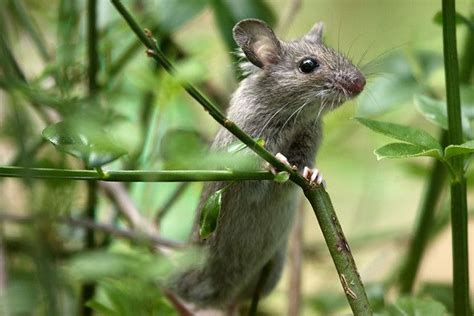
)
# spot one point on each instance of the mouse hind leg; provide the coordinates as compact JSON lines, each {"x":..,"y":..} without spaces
{"x":267,"y":277}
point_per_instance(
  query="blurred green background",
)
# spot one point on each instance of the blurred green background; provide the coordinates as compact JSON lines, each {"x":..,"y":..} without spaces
{"x":376,"y":201}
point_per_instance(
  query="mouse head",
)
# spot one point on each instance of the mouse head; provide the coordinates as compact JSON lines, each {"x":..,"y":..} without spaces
{"x":303,"y":69}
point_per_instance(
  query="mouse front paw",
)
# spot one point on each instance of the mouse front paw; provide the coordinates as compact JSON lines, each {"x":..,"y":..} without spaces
{"x":314,"y":176}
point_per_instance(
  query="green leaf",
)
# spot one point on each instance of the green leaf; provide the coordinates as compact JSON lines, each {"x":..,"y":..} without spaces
{"x":456,"y":150}
{"x":210,"y":214}
{"x":403,"y":72}
{"x":282,"y":177}
{"x":172,"y":14}
{"x":441,"y":292}
{"x":404,"y":150}
{"x":238,"y":145}
{"x":405,"y":306}
{"x":100,"y":307}
{"x":407,"y":134}
{"x":84,"y":139}
{"x":435,"y":111}
{"x":460,"y":19}
{"x":228,"y":12}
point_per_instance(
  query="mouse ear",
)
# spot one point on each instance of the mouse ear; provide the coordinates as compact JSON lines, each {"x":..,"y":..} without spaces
{"x":315,"y":34}
{"x":258,"y":42}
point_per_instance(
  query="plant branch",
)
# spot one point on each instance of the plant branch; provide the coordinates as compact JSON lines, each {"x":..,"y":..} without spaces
{"x":162,"y":211}
{"x":317,"y":196}
{"x":131,"y":235}
{"x":89,"y":288}
{"x":120,"y":198}
{"x":458,"y":183}
{"x":135,"y":175}
{"x":295,"y":256}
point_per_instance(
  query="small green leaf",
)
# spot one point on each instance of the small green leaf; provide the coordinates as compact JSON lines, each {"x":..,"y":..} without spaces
{"x":441,"y":292}
{"x":460,"y":19}
{"x":404,"y":150}
{"x":172,"y":14}
{"x":210,"y":214}
{"x":228,"y":12}
{"x":456,"y":150}
{"x":236,"y":147}
{"x":407,"y":134}
{"x":416,"y":306}
{"x":84,"y":139}
{"x":100,"y":307}
{"x":282,"y":177}
{"x":433,"y":110}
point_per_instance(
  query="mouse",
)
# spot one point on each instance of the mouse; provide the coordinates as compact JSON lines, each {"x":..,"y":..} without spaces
{"x":287,"y":87}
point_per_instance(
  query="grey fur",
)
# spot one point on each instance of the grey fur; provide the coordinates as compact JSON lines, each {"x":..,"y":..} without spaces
{"x":282,"y":105}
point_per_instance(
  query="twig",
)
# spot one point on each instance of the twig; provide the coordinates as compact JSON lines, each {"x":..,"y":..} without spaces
{"x":259,"y":288}
{"x":125,"y":234}
{"x":130,"y":235}
{"x":88,"y":289}
{"x":420,"y":238}
{"x":295,"y":255}
{"x":160,"y":213}
{"x":289,"y":16}
{"x":119,"y":196}
{"x":135,"y":175}
{"x":3,"y":276}
{"x":317,"y":196}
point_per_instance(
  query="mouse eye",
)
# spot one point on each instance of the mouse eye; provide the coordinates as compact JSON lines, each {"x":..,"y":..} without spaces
{"x":308,"y":65}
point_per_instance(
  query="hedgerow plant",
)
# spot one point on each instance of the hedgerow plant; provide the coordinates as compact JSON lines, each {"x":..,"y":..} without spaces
{"x":64,"y":258}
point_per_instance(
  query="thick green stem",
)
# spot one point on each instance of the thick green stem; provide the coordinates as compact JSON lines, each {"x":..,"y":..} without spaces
{"x":458,"y":182}
{"x":318,"y":197}
{"x":340,"y":251}
{"x":436,"y":180}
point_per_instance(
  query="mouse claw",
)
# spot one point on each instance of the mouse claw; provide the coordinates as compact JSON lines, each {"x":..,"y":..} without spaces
{"x":314,"y":176}
{"x":282,"y":159}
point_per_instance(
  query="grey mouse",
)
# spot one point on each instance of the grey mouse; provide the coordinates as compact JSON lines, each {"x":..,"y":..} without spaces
{"x":289,"y":85}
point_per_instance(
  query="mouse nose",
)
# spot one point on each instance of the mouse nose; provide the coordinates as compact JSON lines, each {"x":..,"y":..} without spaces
{"x":357,"y":85}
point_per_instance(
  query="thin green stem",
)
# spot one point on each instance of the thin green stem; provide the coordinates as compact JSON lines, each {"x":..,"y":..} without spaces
{"x":89,"y":288}
{"x":135,"y":175}
{"x":421,"y":235}
{"x":30,"y":26}
{"x":92,"y":42}
{"x":319,"y":199}
{"x":458,"y":184}
{"x":467,"y":59}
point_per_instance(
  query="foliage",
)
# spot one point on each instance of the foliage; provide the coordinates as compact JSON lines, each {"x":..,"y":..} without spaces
{"x":140,"y":118}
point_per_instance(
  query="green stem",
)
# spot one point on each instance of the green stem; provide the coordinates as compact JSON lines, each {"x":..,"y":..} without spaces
{"x":89,"y":288}
{"x":92,"y":41}
{"x":458,"y":184}
{"x":340,"y":251}
{"x":135,"y":175}
{"x":467,"y":59}
{"x":319,"y":199}
{"x":30,"y":26}
{"x":421,"y":235}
